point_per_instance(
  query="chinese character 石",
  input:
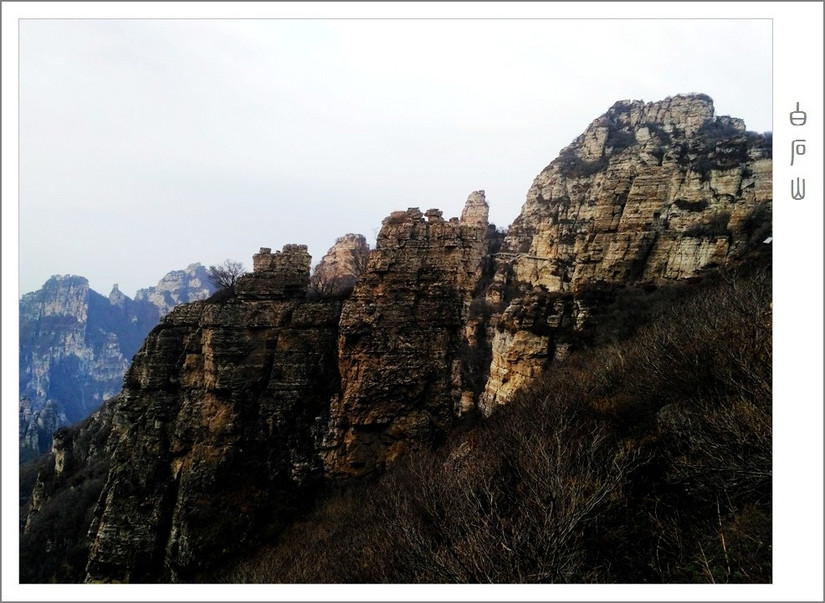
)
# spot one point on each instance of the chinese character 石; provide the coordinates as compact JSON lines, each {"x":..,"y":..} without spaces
{"x":799,"y":193}
{"x":797,"y":148}
{"x":798,"y":117}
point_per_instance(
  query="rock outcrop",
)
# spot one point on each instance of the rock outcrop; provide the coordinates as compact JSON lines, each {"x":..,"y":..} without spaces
{"x":339,"y":269}
{"x":75,"y":346}
{"x":238,"y":408}
{"x":649,"y":193}
{"x":402,"y":334}
{"x":235,"y":409}
{"x":219,"y":412}
{"x":36,"y":426}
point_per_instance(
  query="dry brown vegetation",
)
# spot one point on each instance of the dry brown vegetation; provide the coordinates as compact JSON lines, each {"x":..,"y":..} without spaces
{"x":55,"y":542}
{"x":647,"y":459}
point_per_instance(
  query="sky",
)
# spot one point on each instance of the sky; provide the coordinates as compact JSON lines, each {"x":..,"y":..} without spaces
{"x":146,"y":145}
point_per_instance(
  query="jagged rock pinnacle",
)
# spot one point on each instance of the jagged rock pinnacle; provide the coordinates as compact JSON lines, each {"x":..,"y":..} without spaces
{"x":476,"y":211}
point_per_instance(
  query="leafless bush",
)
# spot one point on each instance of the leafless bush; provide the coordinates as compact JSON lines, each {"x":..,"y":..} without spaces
{"x":338,"y":279}
{"x":224,"y":275}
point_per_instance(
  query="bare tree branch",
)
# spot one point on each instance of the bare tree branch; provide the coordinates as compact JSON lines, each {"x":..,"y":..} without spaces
{"x":226,"y":274}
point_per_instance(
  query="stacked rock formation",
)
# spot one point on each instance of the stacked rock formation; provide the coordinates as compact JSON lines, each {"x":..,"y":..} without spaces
{"x":236,"y":408}
{"x":216,"y":416}
{"x":75,"y":346}
{"x":648,"y":193}
{"x":401,"y":336}
{"x":283,"y":274}
{"x":178,"y":287}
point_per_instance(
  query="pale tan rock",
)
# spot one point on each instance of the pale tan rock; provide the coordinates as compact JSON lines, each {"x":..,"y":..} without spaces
{"x":648,"y":193}
{"x":175,"y":288}
{"x":476,"y":211}
{"x":339,"y":269}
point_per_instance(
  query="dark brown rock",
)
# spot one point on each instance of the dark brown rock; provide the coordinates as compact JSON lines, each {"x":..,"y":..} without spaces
{"x":214,"y":435}
{"x":401,"y":333}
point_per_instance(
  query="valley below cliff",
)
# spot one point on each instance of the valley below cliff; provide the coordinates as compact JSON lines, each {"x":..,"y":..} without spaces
{"x":582,"y":397}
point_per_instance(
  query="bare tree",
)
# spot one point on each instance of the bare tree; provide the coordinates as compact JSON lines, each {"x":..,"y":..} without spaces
{"x":226,"y":274}
{"x":359,"y":257}
{"x":323,"y":283}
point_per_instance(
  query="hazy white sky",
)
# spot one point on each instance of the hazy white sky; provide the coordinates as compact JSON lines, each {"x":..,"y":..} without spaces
{"x":146,"y":145}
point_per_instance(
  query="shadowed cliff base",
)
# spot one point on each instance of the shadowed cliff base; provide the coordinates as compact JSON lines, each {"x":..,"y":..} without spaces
{"x":646,"y":460}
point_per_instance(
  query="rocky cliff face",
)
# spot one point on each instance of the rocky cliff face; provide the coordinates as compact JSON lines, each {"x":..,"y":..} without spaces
{"x":237,"y":408}
{"x":75,"y":346}
{"x":220,"y":412}
{"x":649,"y":193}
{"x":36,"y":426}
{"x":402,"y":333}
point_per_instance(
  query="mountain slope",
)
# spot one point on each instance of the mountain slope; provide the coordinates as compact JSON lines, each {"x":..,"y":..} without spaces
{"x":648,"y":194}
{"x":644,"y":461}
{"x":75,"y":346}
{"x":239,"y":411}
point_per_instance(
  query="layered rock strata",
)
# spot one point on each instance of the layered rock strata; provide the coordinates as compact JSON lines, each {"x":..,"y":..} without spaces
{"x":75,"y":346}
{"x":279,"y":275}
{"x":236,"y":407}
{"x":233,"y":410}
{"x":402,"y":331}
{"x":178,"y":287}
{"x":650,"y":192}
{"x":214,"y":432}
{"x":36,"y":426}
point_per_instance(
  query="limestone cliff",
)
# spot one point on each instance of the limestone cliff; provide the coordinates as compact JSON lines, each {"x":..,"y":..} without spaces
{"x":219,"y":412}
{"x":401,"y":337}
{"x":36,"y":424}
{"x":238,"y":408}
{"x":649,"y":193}
{"x":234,"y":409}
{"x":75,"y":346}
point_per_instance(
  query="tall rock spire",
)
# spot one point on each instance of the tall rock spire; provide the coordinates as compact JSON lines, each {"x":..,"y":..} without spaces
{"x":476,"y":211}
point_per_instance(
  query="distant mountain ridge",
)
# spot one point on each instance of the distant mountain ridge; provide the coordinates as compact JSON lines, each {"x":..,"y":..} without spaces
{"x":178,"y":287}
{"x":76,"y":344}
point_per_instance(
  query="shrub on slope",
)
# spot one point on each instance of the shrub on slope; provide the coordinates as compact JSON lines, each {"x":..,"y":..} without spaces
{"x":645,"y":460}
